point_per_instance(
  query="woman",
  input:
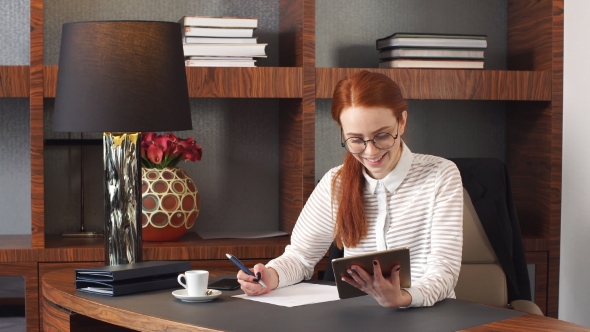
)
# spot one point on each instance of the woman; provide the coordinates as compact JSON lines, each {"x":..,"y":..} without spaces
{"x":382,"y":197}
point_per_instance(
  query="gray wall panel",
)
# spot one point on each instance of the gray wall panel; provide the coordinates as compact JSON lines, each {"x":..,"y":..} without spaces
{"x":237,"y":176}
{"x":58,"y":12}
{"x":15,"y":175}
{"x":14,"y":32}
{"x":346,"y":30}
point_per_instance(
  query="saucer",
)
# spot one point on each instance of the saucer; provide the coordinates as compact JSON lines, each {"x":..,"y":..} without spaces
{"x":182,"y":294}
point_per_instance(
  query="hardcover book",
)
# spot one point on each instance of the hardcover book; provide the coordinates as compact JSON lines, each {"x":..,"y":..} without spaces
{"x":218,"y":32}
{"x":220,"y":21}
{"x":432,"y":40}
{"x":219,"y":63}
{"x":251,"y":50}
{"x":432,"y":63}
{"x":219,"y":40}
{"x":441,"y":53}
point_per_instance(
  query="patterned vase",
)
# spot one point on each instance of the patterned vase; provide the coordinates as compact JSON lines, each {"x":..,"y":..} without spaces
{"x":170,"y":203}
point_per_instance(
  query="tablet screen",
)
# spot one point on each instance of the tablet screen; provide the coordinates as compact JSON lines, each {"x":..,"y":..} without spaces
{"x":387,"y":259}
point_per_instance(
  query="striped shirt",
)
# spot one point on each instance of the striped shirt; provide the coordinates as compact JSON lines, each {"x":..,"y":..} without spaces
{"x":419,"y":205}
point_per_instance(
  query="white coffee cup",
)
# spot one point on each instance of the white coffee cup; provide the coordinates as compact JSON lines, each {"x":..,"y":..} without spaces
{"x":196,"y":282}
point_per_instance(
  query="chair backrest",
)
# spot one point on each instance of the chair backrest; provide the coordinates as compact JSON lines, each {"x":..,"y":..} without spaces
{"x":481,"y":279}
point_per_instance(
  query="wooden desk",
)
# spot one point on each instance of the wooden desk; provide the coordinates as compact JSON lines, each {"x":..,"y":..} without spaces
{"x":64,"y":309}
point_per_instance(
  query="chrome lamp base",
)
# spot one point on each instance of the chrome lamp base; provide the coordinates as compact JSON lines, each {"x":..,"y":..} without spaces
{"x":122,"y":190}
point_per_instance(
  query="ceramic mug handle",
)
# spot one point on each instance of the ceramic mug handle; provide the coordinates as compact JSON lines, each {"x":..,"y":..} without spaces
{"x":180,"y":276}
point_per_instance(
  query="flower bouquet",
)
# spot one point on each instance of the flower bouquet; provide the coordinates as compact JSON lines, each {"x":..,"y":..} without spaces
{"x":167,"y":150}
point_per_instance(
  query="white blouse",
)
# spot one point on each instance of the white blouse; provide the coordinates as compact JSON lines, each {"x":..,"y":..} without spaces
{"x":419,"y":205}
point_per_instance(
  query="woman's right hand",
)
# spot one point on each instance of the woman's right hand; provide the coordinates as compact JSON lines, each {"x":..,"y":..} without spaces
{"x":250,"y":284}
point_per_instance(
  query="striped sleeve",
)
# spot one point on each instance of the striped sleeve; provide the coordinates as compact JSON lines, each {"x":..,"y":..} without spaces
{"x":443,"y":262}
{"x":311,"y":237}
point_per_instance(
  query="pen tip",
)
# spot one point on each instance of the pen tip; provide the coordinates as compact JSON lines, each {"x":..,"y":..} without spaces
{"x":229,"y":256}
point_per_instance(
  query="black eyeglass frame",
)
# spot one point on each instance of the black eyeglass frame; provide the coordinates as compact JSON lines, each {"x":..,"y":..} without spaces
{"x":345,"y":146}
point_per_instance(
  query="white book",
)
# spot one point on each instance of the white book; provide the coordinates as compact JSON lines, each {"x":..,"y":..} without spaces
{"x":219,"y":21}
{"x":219,"y":40}
{"x":220,"y":63}
{"x":219,"y":58}
{"x":429,"y":63}
{"x":218,"y":32}
{"x":430,"y":53}
{"x":253,"y":50}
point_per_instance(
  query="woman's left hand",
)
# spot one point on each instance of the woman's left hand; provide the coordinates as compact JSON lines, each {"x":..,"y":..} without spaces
{"x":386,"y":291}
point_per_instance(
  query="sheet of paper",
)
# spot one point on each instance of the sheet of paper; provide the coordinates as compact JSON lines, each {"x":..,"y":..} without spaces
{"x":296,"y":295}
{"x":239,"y":235}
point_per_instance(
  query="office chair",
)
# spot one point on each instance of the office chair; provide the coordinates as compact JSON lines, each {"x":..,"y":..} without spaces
{"x":482,"y":278}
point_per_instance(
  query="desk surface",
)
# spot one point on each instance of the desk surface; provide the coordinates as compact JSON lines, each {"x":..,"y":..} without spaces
{"x":157,"y":311}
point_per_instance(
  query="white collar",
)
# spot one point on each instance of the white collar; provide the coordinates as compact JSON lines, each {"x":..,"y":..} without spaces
{"x":397,"y":174}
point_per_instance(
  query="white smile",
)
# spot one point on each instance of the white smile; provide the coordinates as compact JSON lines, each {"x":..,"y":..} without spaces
{"x":374,"y":160}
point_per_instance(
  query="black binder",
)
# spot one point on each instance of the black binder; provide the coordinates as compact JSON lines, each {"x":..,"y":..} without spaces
{"x":132,"y":278}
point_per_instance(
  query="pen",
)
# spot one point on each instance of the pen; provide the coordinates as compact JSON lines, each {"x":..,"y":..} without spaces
{"x":244,"y":268}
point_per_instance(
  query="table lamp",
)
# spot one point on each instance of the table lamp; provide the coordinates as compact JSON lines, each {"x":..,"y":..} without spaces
{"x":121,"y":78}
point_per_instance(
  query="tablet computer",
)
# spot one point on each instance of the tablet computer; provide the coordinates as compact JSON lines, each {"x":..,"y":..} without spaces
{"x":387,"y":259}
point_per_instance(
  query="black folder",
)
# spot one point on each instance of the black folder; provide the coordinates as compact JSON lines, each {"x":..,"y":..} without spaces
{"x":132,"y":278}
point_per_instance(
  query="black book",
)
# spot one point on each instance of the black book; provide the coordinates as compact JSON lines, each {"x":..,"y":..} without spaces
{"x":132,"y":278}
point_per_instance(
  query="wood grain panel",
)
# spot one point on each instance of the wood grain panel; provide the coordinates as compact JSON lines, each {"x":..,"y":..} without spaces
{"x":529,"y":35}
{"x":188,"y":247}
{"x":539,"y":259}
{"x":556,"y":157}
{"x":528,"y":159}
{"x":297,"y":117}
{"x":529,"y":322}
{"x":308,"y":102}
{"x":213,"y":82}
{"x":56,"y":313}
{"x":29,"y":271}
{"x":36,"y":126}
{"x":14,"y":81}
{"x":55,"y":319}
{"x":290,"y":162}
{"x":535,"y":244}
{"x":451,"y":84}
{"x":534,"y":131}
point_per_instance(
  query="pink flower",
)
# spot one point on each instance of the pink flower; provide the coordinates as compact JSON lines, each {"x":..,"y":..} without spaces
{"x":167,"y":150}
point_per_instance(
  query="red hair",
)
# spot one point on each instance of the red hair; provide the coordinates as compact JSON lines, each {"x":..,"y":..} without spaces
{"x":364,"y":89}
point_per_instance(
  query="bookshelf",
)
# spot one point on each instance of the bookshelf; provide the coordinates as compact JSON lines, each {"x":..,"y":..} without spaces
{"x":532,"y":87}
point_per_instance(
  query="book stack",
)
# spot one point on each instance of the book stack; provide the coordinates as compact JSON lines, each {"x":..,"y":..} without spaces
{"x":421,"y":50}
{"x":220,"y":41}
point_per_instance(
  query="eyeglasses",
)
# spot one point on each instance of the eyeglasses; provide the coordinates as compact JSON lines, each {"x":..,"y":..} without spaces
{"x":382,"y":141}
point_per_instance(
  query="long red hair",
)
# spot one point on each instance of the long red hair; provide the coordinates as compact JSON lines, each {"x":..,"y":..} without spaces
{"x":364,"y":89}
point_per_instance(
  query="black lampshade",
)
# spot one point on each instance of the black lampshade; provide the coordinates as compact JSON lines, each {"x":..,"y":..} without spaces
{"x":121,"y":76}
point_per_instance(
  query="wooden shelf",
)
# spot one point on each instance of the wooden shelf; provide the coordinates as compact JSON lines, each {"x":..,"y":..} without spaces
{"x":451,"y":84}
{"x":188,"y":247}
{"x":14,"y":81}
{"x":214,"y":82}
